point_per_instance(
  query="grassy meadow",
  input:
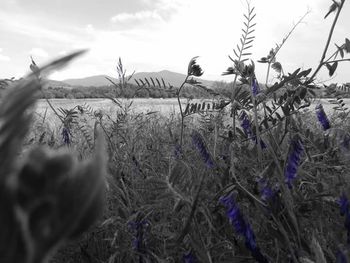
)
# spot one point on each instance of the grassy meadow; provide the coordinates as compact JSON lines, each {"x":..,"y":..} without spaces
{"x":258,"y":175}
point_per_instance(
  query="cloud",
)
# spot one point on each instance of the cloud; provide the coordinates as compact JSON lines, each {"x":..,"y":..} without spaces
{"x":3,"y":57}
{"x":90,"y":29}
{"x":33,"y":28}
{"x":39,"y":52}
{"x":136,"y":17}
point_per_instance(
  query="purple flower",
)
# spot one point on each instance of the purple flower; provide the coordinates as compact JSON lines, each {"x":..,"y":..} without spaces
{"x":139,"y":229}
{"x":199,"y":143}
{"x":322,"y":117}
{"x":267,"y":193}
{"x":189,"y":258}
{"x":344,"y":211}
{"x":341,"y":257}
{"x":178,"y":151}
{"x":242,"y":227}
{"x":255,"y":87}
{"x":245,"y":124}
{"x":66,"y":136}
{"x":294,"y":155}
{"x":346,"y":141}
{"x":344,"y":204}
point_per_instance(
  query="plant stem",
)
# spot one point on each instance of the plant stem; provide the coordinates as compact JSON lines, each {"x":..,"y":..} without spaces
{"x":337,"y":60}
{"x":180,"y":107}
{"x":257,"y":132}
{"x":268,"y":73}
{"x":233,"y":110}
{"x":328,"y":42}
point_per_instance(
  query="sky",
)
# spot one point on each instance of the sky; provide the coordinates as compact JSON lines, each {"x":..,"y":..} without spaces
{"x":155,"y":35}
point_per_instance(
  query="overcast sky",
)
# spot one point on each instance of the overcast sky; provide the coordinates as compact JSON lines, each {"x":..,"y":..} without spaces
{"x":152,"y":35}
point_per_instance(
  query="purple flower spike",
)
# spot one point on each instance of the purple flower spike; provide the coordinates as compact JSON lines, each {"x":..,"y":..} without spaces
{"x":294,"y":155}
{"x":178,"y":151}
{"x":341,"y":258}
{"x":345,"y":211}
{"x":322,"y":117}
{"x":242,"y":227}
{"x":344,"y":204}
{"x":245,"y":124}
{"x":139,"y":229}
{"x":66,"y":136}
{"x":199,"y":143}
{"x":255,"y":87}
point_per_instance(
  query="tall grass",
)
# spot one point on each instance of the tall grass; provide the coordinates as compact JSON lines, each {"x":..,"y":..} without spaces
{"x":270,"y":186}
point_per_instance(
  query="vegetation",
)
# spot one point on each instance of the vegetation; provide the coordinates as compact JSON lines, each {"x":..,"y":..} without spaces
{"x":257,"y":177}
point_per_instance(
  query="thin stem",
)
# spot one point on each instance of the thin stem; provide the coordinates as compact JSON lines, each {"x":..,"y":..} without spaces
{"x":257,"y":132}
{"x":180,"y":106}
{"x":328,"y":42}
{"x":337,"y":60}
{"x":278,"y":48}
{"x":268,"y":73}
{"x":234,"y":110}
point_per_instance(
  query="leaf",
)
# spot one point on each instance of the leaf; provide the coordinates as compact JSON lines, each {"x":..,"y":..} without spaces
{"x":332,"y":8}
{"x":263,"y":60}
{"x":295,"y":73}
{"x":235,"y":54}
{"x":252,"y":17}
{"x":303,"y":93}
{"x":347,"y":45}
{"x":340,"y":50}
{"x":332,"y":68}
{"x":304,"y":73}
{"x":277,"y":66}
{"x":247,"y":47}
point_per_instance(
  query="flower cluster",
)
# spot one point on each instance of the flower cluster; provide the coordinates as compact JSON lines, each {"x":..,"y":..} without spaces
{"x":322,"y":117}
{"x":242,"y":227}
{"x":345,"y":211}
{"x":245,"y":124}
{"x":199,"y":143}
{"x":294,"y":155}
{"x":194,"y":69}
{"x":139,"y":228}
{"x":66,"y":136}
{"x":255,"y":87}
{"x":178,"y":151}
{"x":341,"y":257}
{"x":267,"y":193}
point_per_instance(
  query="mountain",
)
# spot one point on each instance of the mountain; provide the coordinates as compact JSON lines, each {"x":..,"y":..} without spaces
{"x":56,"y":84}
{"x":173,"y":78}
{"x":93,"y":81}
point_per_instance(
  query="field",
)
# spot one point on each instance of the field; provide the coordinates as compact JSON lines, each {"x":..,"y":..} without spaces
{"x":261,"y":174}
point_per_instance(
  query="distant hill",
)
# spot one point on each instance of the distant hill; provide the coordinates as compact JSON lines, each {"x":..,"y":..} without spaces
{"x":175,"y":79}
{"x":56,"y":84}
{"x":93,"y":81}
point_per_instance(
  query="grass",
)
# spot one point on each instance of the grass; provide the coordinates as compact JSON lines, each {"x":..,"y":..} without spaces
{"x":270,"y":185}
